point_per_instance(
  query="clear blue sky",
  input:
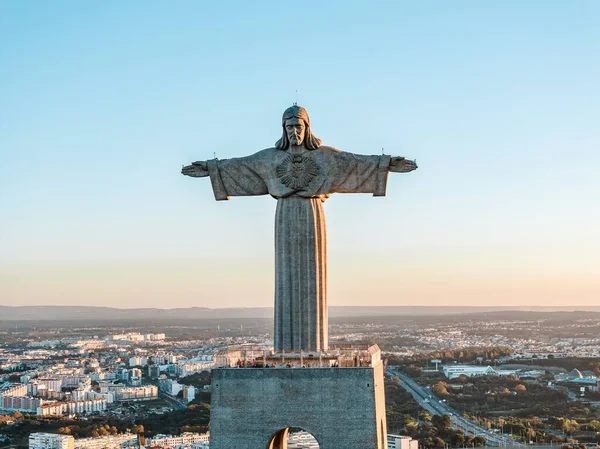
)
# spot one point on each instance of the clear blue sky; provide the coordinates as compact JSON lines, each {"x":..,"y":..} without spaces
{"x":101,"y":103}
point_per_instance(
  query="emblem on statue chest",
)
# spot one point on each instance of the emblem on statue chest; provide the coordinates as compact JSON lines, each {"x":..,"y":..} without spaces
{"x":296,"y":172}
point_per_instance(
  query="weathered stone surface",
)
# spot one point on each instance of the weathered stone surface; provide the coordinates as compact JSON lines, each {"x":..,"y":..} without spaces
{"x":342,"y":407}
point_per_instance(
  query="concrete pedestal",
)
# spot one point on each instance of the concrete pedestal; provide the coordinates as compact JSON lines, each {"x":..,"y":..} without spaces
{"x":251,"y":408}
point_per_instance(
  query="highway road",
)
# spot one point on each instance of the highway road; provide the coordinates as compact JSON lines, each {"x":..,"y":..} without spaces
{"x":435,"y":406}
{"x":173,"y":401}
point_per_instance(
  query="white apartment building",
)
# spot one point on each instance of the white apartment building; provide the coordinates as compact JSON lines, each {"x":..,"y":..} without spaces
{"x":164,"y":359}
{"x":72,"y":408}
{"x":123,"y":441}
{"x":454,"y":371}
{"x":401,"y":442}
{"x":154,"y":337}
{"x":76,"y":381}
{"x":134,"y":336}
{"x":14,"y":390}
{"x":79,"y":394}
{"x":40,"y":440}
{"x":51,"y":383}
{"x":187,"y":369}
{"x":110,"y":398}
{"x":20,"y":403}
{"x":173,"y":442}
{"x":138,"y":361}
{"x":189,"y":393}
{"x":137,"y":393}
{"x":104,"y":376}
{"x":109,"y":387}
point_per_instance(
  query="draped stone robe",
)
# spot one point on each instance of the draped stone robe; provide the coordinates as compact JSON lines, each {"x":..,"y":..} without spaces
{"x":300,"y":183}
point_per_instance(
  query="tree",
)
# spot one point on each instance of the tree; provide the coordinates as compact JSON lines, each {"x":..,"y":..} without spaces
{"x":529,"y":434}
{"x":479,"y":442}
{"x":427,"y":442}
{"x":137,"y":429}
{"x":521,"y":388}
{"x":567,"y":425}
{"x":458,"y":439}
{"x":425,"y":416}
{"x":439,"y":443}
{"x":463,"y":379}
{"x":440,"y":389}
{"x":442,"y":422}
{"x":412,"y":371}
{"x":411,"y":425}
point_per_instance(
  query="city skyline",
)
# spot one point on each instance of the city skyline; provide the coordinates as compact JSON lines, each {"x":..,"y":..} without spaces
{"x":103,"y":104}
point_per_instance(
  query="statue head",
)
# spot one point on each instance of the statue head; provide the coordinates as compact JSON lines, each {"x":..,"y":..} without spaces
{"x":296,"y":130}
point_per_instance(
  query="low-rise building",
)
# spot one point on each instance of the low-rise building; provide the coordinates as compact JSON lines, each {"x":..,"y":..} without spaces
{"x":188,"y":368}
{"x":454,"y":371}
{"x":401,"y":442}
{"x":174,"y":442}
{"x":122,"y":441}
{"x":72,"y":407}
{"x":137,"y":393}
{"x":38,"y":440}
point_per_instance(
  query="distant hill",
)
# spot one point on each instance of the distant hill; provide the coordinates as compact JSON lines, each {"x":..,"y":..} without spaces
{"x":75,"y":313}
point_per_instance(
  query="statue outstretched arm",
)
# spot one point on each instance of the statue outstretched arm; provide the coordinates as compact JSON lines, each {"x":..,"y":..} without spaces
{"x":357,"y":173}
{"x":198,"y":169}
{"x":231,"y":177}
{"x":402,"y":165}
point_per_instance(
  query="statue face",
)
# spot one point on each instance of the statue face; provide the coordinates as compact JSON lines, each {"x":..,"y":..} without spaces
{"x":294,"y":128}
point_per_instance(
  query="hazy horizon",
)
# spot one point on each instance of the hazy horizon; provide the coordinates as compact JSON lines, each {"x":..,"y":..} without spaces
{"x":103,"y":103}
{"x":10,"y":315}
{"x":496,"y":307}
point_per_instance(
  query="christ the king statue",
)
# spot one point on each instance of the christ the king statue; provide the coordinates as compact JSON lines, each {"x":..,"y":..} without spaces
{"x":300,"y":174}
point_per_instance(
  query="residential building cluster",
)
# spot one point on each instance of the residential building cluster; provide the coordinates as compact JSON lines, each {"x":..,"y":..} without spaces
{"x":76,"y":375}
{"x":75,"y":381}
{"x":187,"y":440}
{"x":528,"y":339}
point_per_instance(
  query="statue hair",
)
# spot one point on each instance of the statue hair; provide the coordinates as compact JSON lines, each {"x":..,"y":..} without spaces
{"x":311,"y":142}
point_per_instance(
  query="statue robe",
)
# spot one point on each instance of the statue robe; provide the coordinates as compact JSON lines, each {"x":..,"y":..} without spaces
{"x":300,"y":184}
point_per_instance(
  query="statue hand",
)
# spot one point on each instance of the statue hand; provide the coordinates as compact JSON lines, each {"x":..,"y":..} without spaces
{"x":196,"y":170}
{"x":402,"y":165}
